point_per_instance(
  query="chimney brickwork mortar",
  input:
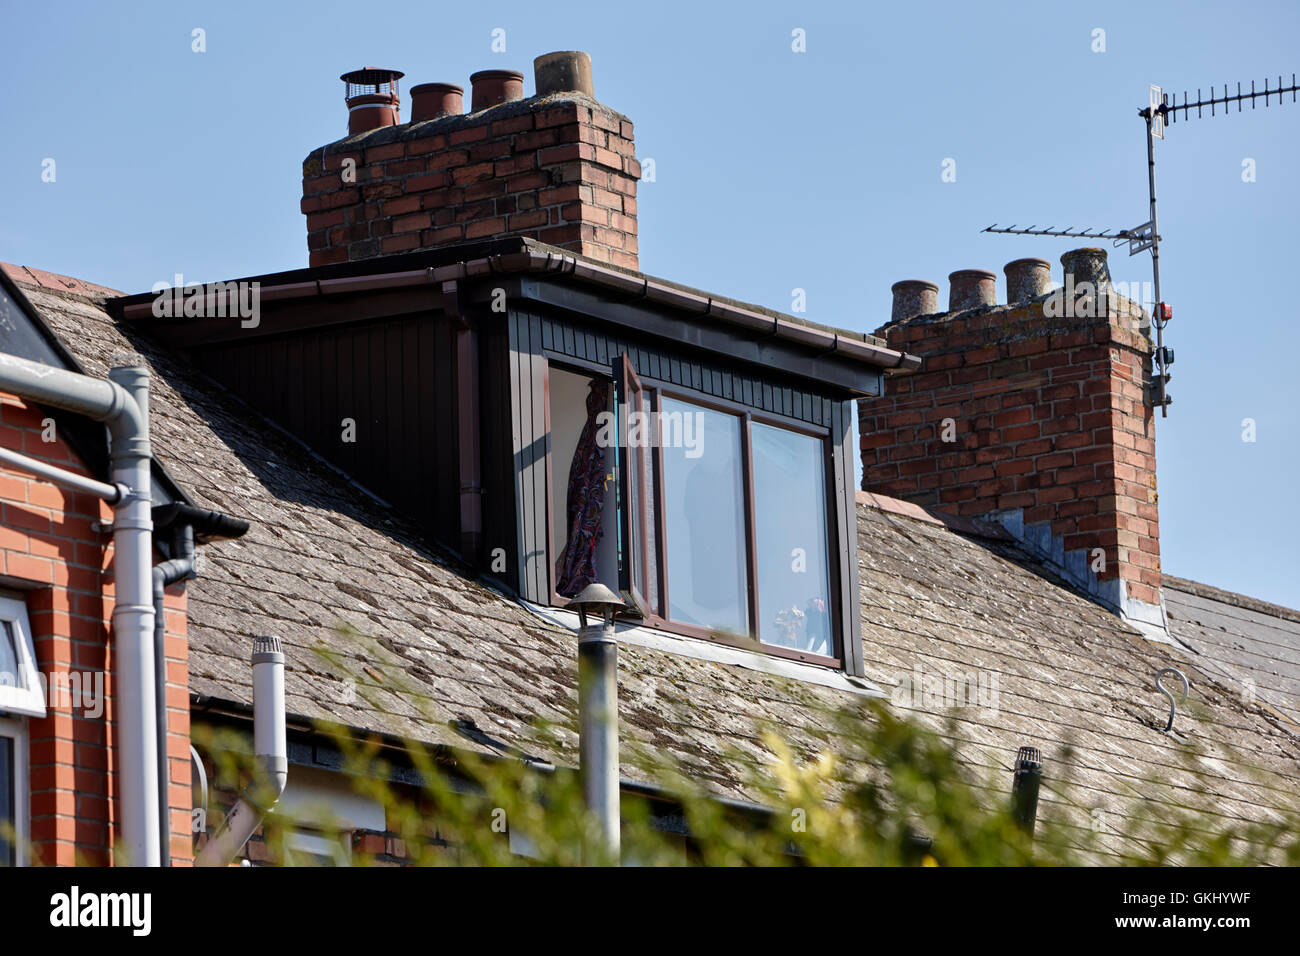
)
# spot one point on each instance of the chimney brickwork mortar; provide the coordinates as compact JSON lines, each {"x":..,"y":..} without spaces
{"x":1045,"y":414}
{"x":559,"y":168}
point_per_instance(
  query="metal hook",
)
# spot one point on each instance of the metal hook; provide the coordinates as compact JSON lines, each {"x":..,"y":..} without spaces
{"x":1161,"y":687}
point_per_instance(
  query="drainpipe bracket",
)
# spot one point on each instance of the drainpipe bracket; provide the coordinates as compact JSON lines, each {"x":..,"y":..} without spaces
{"x":128,"y":449}
{"x":274,"y":764}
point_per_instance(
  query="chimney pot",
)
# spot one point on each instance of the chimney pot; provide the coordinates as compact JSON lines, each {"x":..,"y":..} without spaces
{"x":566,"y":71}
{"x":1027,"y":279}
{"x":913,"y":297}
{"x":453,"y":215}
{"x":1086,"y":265}
{"x":971,"y":289}
{"x":372,"y":99}
{"x":491,"y":87}
{"x":432,"y":100}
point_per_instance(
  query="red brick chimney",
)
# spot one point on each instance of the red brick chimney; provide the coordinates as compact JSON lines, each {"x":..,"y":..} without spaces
{"x":1032,"y":413}
{"x":558,"y":167}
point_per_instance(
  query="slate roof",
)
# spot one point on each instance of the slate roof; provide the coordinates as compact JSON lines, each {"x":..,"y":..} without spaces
{"x":938,"y":598}
{"x":1250,"y":642}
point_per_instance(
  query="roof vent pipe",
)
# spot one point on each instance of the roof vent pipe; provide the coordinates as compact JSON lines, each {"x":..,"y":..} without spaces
{"x":271,"y":746}
{"x":913,"y":297}
{"x":971,"y":289}
{"x":435,"y":100}
{"x":568,"y":71}
{"x":1024,"y":788}
{"x":1027,"y":279}
{"x":491,"y":87}
{"x":372,"y":98}
{"x":598,"y":709}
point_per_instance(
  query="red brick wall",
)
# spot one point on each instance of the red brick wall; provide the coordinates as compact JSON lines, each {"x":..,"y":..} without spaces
{"x":63,"y":569}
{"x":1049,"y":416}
{"x":561,"y":173}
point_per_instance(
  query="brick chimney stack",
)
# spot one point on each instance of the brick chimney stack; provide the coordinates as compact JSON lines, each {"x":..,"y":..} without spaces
{"x":558,"y":167}
{"x":1033,"y":414}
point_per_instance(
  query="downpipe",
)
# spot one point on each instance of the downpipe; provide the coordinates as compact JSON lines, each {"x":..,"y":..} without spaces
{"x":133,"y":622}
{"x":270,"y":745}
{"x":180,"y":527}
{"x":166,"y":573}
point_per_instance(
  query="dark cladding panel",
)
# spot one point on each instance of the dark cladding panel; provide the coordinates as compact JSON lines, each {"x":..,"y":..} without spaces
{"x":658,"y":363}
{"x":386,"y":385}
{"x":530,"y":445}
{"x":501,"y":537}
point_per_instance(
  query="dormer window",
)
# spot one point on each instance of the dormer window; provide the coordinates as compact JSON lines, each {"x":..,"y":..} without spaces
{"x":712,"y":515}
{"x":557,"y":422}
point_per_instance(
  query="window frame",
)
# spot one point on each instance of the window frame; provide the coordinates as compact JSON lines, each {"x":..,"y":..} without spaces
{"x":316,"y":843}
{"x":15,"y":728}
{"x":749,"y":416}
{"x":656,"y":616}
{"x":627,"y":383}
{"x":28,"y":700}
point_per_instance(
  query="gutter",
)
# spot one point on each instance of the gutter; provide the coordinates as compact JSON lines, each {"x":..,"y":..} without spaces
{"x":634,"y":285}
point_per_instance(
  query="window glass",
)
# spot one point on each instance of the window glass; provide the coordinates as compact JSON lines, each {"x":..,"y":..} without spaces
{"x":11,"y":675}
{"x":704,"y":502}
{"x":7,"y":800}
{"x":791,"y":546}
{"x":584,"y":525}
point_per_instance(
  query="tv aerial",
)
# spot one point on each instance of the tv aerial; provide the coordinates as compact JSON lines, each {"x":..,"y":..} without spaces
{"x":1159,"y":114}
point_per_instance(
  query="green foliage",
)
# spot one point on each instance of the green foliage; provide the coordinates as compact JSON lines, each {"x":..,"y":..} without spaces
{"x":891,"y":793}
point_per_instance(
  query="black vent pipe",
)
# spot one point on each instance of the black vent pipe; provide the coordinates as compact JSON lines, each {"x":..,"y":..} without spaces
{"x":1024,"y":788}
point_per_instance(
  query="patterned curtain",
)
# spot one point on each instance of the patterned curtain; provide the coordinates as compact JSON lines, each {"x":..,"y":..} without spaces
{"x":576,"y":567}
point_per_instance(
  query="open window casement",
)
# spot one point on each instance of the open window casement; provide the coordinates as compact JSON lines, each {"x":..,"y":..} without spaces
{"x":637,"y":440}
{"x":20,"y":684}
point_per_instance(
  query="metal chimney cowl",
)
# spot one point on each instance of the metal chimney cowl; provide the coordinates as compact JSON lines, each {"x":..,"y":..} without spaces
{"x":372,"y":98}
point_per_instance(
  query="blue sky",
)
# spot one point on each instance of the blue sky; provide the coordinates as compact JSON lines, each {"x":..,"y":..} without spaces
{"x":775,"y":170}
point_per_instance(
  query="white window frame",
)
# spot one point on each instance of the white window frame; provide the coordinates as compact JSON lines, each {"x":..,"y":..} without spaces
{"x":16,"y":730}
{"x":28,"y":699}
{"x":317,"y":844}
